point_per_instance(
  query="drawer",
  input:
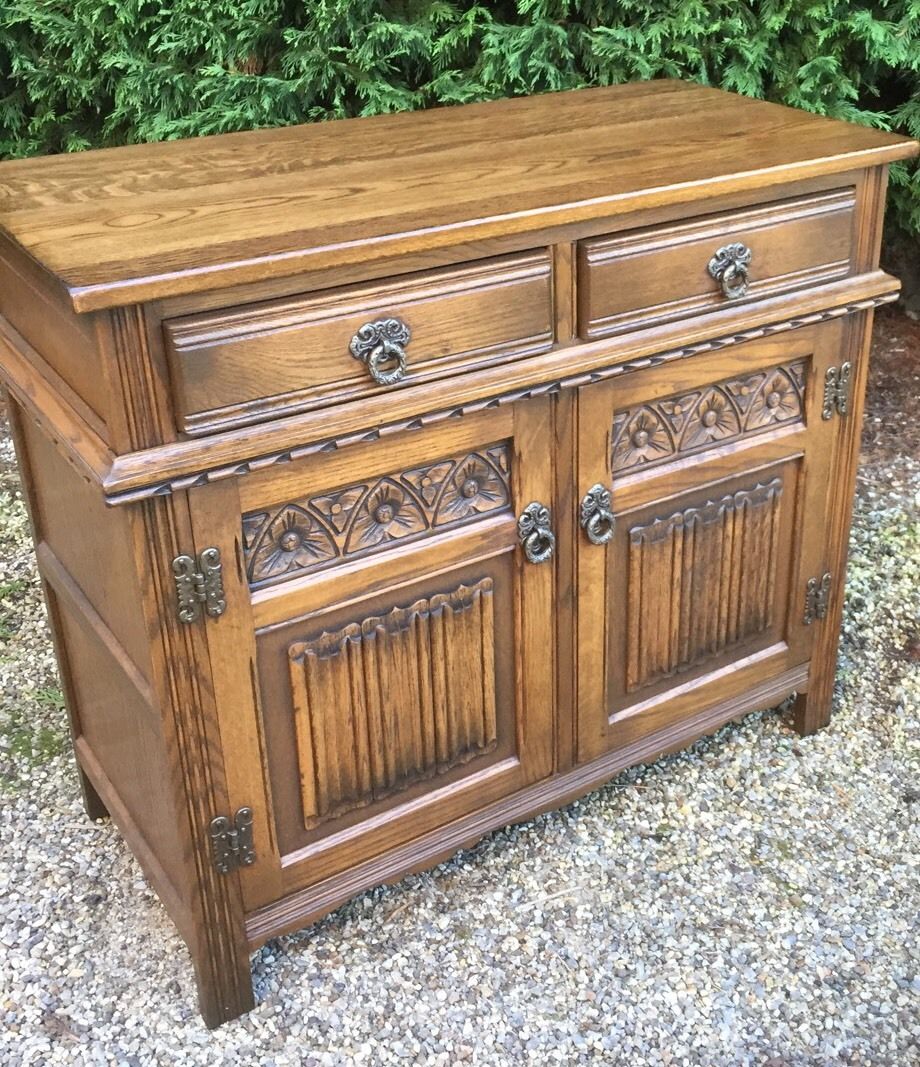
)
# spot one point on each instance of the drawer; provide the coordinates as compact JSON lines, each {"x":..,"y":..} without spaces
{"x":639,"y":277}
{"x":247,"y":364}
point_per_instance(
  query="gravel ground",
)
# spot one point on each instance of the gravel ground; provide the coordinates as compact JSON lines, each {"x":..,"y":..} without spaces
{"x":751,"y":901}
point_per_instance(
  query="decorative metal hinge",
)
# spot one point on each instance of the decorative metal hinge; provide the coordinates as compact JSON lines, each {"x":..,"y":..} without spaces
{"x":231,"y":841}
{"x":837,"y":390}
{"x":817,"y":592}
{"x":199,"y":584}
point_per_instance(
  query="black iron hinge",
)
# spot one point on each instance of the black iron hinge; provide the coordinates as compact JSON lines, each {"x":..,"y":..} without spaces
{"x":817,"y":592}
{"x":199,"y":584}
{"x":837,"y":390}
{"x":231,"y":841}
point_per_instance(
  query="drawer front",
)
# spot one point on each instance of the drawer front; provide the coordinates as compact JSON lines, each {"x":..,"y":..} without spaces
{"x":248,"y":364}
{"x":658,"y":274}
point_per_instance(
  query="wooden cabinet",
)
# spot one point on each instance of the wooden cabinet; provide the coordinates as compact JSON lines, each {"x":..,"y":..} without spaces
{"x":380,"y":506}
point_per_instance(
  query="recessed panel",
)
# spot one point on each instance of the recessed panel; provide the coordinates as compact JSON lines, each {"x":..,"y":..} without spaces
{"x":390,"y":700}
{"x":374,"y":703}
{"x":702,"y":579}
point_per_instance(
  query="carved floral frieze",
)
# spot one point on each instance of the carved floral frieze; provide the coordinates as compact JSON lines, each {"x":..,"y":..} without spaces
{"x":702,"y":418}
{"x":308,"y":533}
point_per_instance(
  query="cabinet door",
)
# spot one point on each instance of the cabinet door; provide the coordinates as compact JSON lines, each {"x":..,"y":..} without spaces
{"x":718,"y":468}
{"x":385,"y":662}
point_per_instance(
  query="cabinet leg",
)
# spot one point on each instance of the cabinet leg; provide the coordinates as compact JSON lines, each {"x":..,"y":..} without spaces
{"x":224,"y":993}
{"x":811,"y":712}
{"x":92,"y":802}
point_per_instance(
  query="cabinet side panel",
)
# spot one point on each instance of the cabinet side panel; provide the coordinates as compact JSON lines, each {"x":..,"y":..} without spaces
{"x":65,"y":340}
{"x":92,"y":541}
{"x":120,"y":746}
{"x":86,"y":563}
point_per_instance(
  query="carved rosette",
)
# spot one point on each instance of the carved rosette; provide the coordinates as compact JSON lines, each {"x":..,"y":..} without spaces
{"x":292,"y":539}
{"x":387,"y":513}
{"x":721,"y":413}
{"x":640,"y":437}
{"x":306,"y":534}
{"x":780,"y":400}
{"x":474,"y":486}
{"x":712,"y":419}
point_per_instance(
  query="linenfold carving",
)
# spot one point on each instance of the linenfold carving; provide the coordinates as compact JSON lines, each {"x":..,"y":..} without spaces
{"x":394,"y":699}
{"x":700,"y":581}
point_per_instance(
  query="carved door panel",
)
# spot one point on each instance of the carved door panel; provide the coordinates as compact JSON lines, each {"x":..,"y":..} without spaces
{"x":385,"y":664}
{"x":718,"y":469}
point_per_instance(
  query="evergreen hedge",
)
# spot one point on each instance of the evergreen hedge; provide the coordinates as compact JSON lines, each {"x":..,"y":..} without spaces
{"x":77,"y":74}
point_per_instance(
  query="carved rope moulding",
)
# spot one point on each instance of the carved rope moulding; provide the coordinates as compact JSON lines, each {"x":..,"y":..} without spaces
{"x":717,"y":414}
{"x":311,"y":532}
{"x":430,"y":418}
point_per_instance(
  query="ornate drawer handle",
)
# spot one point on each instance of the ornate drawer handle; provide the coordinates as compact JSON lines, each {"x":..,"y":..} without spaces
{"x":381,"y":345}
{"x":596,"y":517}
{"x":729,"y":267}
{"x":535,"y":533}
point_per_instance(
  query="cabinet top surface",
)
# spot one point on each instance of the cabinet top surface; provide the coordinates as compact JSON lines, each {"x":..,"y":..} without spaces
{"x":122,"y":225}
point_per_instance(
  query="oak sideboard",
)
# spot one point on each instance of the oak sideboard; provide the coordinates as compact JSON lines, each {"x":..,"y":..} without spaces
{"x":395,"y":479}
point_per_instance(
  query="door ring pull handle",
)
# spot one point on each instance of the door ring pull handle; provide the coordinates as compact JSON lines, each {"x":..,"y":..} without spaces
{"x":596,"y":518}
{"x":535,"y":532}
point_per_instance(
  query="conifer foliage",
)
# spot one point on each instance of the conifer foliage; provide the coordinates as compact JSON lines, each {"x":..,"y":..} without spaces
{"x":76,"y":74}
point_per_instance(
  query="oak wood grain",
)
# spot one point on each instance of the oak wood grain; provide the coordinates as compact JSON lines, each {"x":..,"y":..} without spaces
{"x":434,"y":257}
{"x":127,"y":224}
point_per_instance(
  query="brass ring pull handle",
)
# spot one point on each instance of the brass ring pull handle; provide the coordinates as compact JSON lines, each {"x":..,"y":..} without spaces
{"x":380,"y":346}
{"x":535,"y":532}
{"x":729,"y":267}
{"x":596,"y":517}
